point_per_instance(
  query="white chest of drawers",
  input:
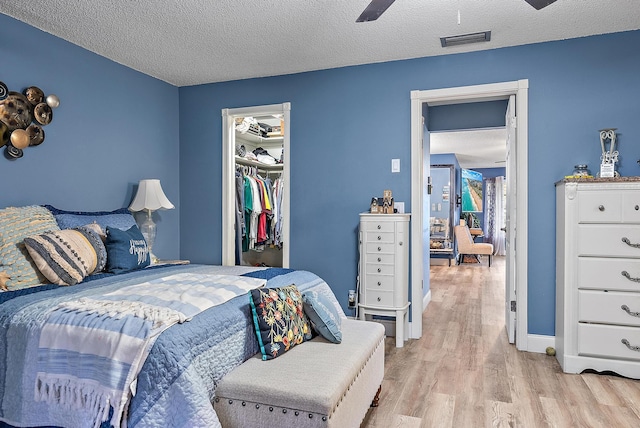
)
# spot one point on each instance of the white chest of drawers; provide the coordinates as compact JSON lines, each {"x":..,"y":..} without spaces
{"x":384,"y":268}
{"x":598,"y":276}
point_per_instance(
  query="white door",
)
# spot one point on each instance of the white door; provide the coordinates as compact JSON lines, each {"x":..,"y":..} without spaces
{"x":510,"y":281}
{"x":426,"y":198}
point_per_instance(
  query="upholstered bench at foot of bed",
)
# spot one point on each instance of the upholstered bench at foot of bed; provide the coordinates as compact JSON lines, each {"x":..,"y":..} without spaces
{"x":315,"y":384}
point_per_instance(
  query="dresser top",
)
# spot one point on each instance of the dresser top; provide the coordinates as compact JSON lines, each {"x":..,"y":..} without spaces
{"x":383,"y":216}
{"x":600,"y":180}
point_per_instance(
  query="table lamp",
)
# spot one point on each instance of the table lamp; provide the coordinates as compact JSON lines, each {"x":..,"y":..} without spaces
{"x":149,"y":198}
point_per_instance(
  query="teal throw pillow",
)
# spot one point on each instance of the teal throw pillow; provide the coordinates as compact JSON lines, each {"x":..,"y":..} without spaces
{"x":126,"y":250}
{"x":323,"y":316}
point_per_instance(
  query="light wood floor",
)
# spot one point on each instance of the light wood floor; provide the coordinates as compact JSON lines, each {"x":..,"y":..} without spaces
{"x":464,"y":373}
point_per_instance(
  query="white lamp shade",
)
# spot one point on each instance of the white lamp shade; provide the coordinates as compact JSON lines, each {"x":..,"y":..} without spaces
{"x":150,"y":197}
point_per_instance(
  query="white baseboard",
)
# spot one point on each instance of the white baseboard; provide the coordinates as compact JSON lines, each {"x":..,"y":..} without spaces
{"x":426,"y":300}
{"x":539,"y":343}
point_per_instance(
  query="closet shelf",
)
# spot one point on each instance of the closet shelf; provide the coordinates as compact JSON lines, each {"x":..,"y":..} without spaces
{"x":253,"y":138}
{"x":266,"y":167}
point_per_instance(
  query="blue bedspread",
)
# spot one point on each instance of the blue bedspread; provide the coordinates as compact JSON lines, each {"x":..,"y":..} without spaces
{"x":177,"y":381}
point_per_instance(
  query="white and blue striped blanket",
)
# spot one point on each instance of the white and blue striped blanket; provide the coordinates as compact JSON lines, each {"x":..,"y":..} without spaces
{"x":177,"y":380}
{"x":91,"y":349}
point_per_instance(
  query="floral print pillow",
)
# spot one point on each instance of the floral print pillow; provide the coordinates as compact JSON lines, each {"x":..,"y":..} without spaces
{"x":279,"y":319}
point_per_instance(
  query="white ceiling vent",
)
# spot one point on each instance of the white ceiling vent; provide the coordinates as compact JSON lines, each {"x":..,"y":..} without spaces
{"x":464,"y":39}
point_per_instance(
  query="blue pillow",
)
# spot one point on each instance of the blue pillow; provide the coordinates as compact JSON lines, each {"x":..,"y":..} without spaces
{"x":126,"y":250}
{"x":323,"y":316}
{"x":120,"y":218}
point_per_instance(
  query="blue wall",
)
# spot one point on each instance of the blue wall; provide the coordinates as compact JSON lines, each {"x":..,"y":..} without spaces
{"x":488,"y":114}
{"x":346,"y":125}
{"x":114,"y":127}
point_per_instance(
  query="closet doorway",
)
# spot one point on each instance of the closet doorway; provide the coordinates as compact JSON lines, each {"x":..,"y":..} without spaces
{"x":263,"y":131}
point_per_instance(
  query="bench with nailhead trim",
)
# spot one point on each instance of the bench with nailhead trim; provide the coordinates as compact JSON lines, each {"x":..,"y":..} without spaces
{"x":314,"y":384}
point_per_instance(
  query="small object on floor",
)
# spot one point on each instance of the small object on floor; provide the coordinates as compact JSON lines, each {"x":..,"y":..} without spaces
{"x":3,"y":280}
{"x":551,"y":351}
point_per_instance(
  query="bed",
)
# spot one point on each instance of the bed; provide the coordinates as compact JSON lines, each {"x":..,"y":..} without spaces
{"x":175,"y":382}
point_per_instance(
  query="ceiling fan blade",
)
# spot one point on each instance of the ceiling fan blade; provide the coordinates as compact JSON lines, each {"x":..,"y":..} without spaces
{"x":539,"y":4}
{"x":374,"y":10}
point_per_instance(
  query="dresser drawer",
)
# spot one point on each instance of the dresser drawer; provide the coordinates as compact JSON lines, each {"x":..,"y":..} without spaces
{"x":379,"y":298}
{"x":609,"y":207}
{"x":379,"y":226}
{"x":608,"y":274}
{"x":599,"y":207}
{"x":379,"y":283}
{"x":607,"y":240}
{"x":379,"y":269}
{"x":631,"y":207}
{"x":381,"y":258}
{"x":598,"y":340}
{"x":607,"y":307}
{"x":380,"y":237}
{"x":380,"y":248}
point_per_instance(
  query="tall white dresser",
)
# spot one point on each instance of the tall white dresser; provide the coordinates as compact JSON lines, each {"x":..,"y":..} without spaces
{"x":598,"y":275}
{"x":384,"y":269}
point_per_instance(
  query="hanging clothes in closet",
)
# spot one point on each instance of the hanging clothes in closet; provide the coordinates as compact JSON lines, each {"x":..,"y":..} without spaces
{"x":260,"y":222}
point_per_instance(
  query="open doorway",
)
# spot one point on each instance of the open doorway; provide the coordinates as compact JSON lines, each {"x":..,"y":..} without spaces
{"x":481,"y":152}
{"x":468,"y":152}
{"x":517,"y":92}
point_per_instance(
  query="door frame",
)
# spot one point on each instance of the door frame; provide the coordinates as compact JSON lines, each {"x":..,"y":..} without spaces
{"x":228,"y":184}
{"x":459,"y":95}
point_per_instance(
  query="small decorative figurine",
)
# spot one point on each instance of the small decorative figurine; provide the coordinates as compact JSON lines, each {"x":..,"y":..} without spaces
{"x":610,"y":157}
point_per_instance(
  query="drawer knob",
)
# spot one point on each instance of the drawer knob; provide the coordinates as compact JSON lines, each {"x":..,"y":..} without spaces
{"x":627,"y":310}
{"x":637,"y":207}
{"x":379,"y":227}
{"x":379,"y":299}
{"x":379,"y":270}
{"x":601,"y":207}
{"x":379,"y":237}
{"x":626,"y":343}
{"x":379,"y":283}
{"x":626,"y":241}
{"x":626,"y":275}
{"x":379,"y":259}
{"x":379,"y":249}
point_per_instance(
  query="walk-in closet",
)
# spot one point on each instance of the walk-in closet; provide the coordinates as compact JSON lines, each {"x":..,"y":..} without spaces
{"x":256,"y":186}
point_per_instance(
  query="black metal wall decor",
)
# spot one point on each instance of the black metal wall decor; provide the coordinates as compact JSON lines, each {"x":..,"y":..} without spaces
{"x":22,"y":116}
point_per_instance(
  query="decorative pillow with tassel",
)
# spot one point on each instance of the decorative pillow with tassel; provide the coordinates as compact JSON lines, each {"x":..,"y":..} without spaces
{"x":66,"y":257}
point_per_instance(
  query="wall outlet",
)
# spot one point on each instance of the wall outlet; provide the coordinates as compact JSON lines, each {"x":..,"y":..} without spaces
{"x":352,"y":299}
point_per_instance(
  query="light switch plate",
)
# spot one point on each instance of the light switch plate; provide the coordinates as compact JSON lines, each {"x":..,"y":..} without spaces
{"x":395,"y":165}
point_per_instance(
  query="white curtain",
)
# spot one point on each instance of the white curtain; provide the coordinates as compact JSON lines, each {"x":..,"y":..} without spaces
{"x":494,"y":220}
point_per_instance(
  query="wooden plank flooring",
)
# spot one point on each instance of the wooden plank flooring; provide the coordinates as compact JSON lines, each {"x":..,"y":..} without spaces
{"x":464,"y":373}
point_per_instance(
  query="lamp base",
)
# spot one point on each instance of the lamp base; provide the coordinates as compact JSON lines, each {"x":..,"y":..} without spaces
{"x":148,"y":230}
{"x":153,"y":259}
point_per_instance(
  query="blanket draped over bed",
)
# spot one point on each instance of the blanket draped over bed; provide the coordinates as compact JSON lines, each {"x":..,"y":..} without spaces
{"x":91,"y":349}
{"x":175,"y":383}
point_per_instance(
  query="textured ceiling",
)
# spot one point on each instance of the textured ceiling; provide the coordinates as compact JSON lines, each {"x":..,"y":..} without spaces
{"x":188,"y":42}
